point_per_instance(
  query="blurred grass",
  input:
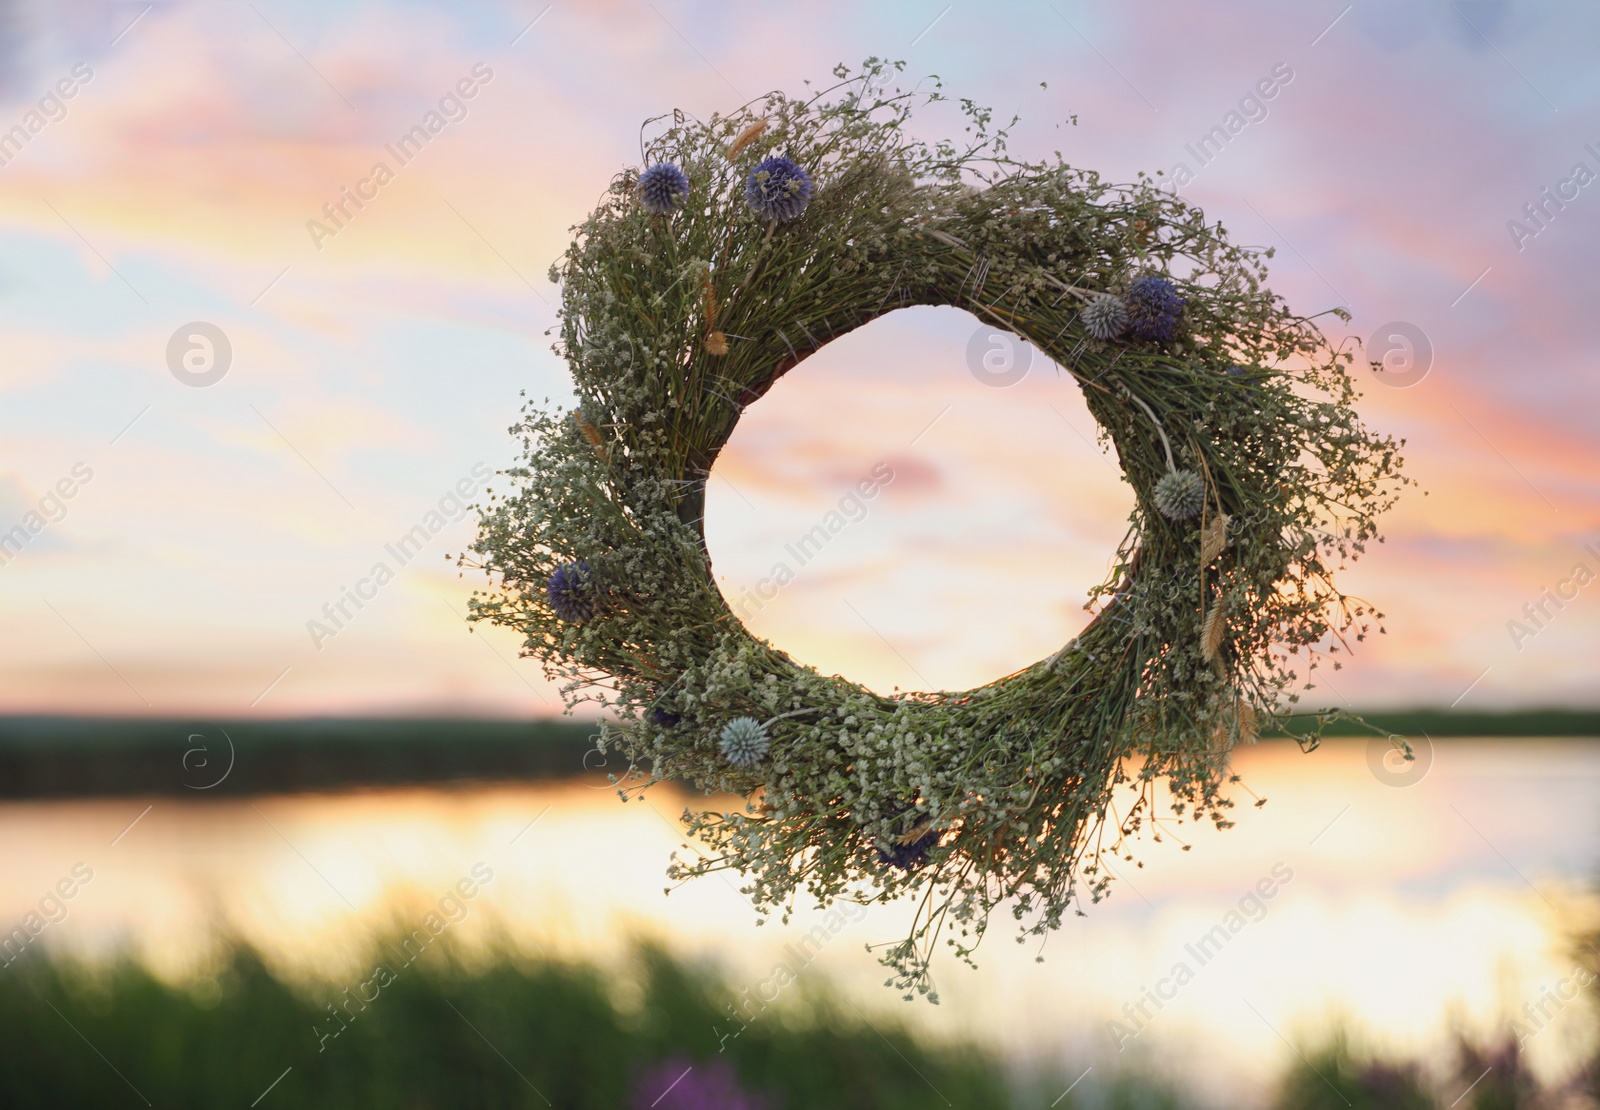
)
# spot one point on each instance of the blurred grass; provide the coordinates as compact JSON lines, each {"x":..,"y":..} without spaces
{"x":502,"y":1029}
{"x":1338,"y":1076}
{"x":511,"y":1032}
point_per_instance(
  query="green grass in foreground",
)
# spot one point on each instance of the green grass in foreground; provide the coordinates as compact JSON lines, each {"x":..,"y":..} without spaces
{"x":517,"y":1031}
{"x":511,"y":1033}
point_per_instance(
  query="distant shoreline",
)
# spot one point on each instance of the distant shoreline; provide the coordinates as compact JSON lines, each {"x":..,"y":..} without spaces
{"x":1446,"y":724}
{"x":86,"y":757}
{"x":81,"y":757}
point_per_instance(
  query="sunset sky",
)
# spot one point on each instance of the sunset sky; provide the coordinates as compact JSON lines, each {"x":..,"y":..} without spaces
{"x":377,"y":362}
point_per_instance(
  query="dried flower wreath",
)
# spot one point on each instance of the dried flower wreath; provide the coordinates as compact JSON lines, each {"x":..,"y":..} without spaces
{"x":750,"y":241}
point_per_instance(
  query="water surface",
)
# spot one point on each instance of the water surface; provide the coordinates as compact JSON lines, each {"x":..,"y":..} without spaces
{"x":1405,"y":911}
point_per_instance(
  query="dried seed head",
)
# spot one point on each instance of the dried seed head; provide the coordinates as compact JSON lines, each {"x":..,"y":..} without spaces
{"x":592,"y":434}
{"x":708,"y":300}
{"x":749,"y":135}
{"x":915,"y":833}
{"x":1249,"y":727}
{"x":1213,"y":539}
{"x":1212,"y":630}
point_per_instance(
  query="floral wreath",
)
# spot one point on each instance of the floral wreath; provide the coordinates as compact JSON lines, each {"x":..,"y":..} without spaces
{"x":749,"y":242}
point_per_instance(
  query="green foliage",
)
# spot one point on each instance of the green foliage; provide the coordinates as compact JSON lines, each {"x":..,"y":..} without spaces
{"x":1336,"y":1079}
{"x":449,"y":1031}
{"x":446,"y":1033}
{"x":1479,"y":1077}
{"x":672,"y":325}
{"x":1102,"y":1089}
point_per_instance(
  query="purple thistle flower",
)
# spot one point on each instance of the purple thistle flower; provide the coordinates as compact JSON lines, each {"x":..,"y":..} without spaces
{"x":679,"y":1084}
{"x":911,"y":855}
{"x":663,"y":188}
{"x":573,"y":592}
{"x":663,"y":718}
{"x":778,"y":189}
{"x":1153,"y":308}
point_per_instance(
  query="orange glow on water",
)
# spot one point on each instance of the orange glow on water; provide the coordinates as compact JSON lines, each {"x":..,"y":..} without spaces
{"x":1405,"y":912}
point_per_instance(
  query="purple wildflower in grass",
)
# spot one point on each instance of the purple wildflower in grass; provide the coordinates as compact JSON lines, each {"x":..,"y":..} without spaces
{"x":677,"y":1083}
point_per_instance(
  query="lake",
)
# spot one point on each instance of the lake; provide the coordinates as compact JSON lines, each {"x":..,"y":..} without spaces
{"x":1406,"y":911}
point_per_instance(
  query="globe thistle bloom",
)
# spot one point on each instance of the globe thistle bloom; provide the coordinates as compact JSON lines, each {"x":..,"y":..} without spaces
{"x":1181,"y":495}
{"x":573,"y":592}
{"x":1105,"y":317}
{"x":745,"y":742}
{"x":663,"y":188}
{"x":908,"y":855}
{"x":1153,"y":308}
{"x":778,"y":189}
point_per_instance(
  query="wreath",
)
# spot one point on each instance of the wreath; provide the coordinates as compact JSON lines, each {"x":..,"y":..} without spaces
{"x":747,"y":243}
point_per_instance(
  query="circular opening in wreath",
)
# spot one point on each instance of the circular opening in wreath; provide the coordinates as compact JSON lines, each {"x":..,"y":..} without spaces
{"x":922,"y":504}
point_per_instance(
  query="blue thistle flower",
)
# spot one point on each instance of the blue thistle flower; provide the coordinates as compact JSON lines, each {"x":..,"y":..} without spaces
{"x":663,"y":188}
{"x":908,"y":855}
{"x":1153,"y":308}
{"x":1180,"y":495}
{"x":778,"y":189}
{"x":573,"y":592}
{"x":744,"y":741}
{"x":1105,"y":317}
